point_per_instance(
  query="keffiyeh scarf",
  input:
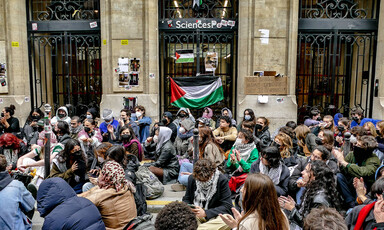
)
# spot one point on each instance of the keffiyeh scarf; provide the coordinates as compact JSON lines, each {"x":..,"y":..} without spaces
{"x":205,"y":190}
{"x":273,"y":173}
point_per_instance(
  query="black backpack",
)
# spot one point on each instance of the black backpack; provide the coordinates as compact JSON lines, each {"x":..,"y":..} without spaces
{"x":143,"y":222}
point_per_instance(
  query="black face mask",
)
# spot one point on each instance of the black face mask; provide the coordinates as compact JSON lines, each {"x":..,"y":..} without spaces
{"x":164,"y":121}
{"x":125,"y":137}
{"x":2,"y":114}
{"x":360,"y":154}
{"x":276,"y":145}
{"x":318,"y":141}
{"x":77,"y":153}
{"x":318,"y":119}
{"x":87,"y":129}
{"x":355,"y":118}
{"x":341,"y":128}
{"x":61,"y":115}
{"x":40,"y":129}
{"x":35,"y":118}
{"x":182,"y":115}
{"x":258,"y":126}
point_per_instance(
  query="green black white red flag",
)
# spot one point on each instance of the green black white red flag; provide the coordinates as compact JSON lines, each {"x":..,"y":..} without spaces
{"x":196,"y":92}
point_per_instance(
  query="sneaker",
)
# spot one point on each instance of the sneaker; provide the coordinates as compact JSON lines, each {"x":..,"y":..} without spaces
{"x":178,"y":187}
{"x":32,"y":189}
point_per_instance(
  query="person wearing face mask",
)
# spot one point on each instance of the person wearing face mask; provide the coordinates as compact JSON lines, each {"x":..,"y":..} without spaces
{"x":284,"y":143}
{"x":90,"y":137}
{"x":168,"y":122}
{"x":208,"y":114}
{"x":12,"y":148}
{"x":240,"y":159}
{"x":92,"y":113}
{"x":358,"y":118}
{"x":183,"y":142}
{"x":314,"y":118}
{"x":109,"y":128}
{"x":249,"y":117}
{"x":8,"y":123}
{"x":361,"y":163}
{"x":130,"y":143}
{"x":183,"y":114}
{"x":143,"y":122}
{"x":125,"y":120}
{"x":76,"y":127}
{"x":342,"y":128}
{"x":305,"y":139}
{"x":370,"y":129}
{"x":263,"y":137}
{"x":61,"y":115}
{"x":31,"y":127}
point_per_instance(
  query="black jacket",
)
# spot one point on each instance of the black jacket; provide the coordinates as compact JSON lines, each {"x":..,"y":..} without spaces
{"x":220,"y":203}
{"x":167,"y":160}
{"x":352,"y":216}
{"x":14,"y":126}
{"x":263,"y":139}
{"x":173,"y":127}
{"x":282,"y":187}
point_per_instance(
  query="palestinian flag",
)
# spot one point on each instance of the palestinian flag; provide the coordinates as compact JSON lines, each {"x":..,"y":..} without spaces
{"x":197,"y":3}
{"x":196,"y":92}
{"x":184,"y":56}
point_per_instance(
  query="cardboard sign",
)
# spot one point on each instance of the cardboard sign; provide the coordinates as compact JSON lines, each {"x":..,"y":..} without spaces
{"x":266,"y":85}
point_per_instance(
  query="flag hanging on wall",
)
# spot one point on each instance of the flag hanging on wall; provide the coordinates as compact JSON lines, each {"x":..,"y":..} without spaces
{"x":196,"y":92}
{"x":184,"y":56}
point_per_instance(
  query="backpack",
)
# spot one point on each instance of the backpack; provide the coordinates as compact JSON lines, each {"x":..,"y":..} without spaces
{"x":143,"y":222}
{"x":151,"y":183}
{"x":131,"y":168}
{"x":140,"y":201}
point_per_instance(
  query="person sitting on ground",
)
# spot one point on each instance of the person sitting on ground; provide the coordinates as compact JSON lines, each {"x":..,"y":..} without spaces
{"x":208,"y":114}
{"x":379,"y":215}
{"x":341,"y":129}
{"x":183,"y":142}
{"x":76,"y":127}
{"x":125,"y":119}
{"x":228,"y":113}
{"x":109,"y":127}
{"x":305,"y":139}
{"x":113,"y":196}
{"x":326,"y":138}
{"x":166,"y":166}
{"x":58,"y":204}
{"x":380,"y":135}
{"x":31,"y":128}
{"x":12,"y":148}
{"x":271,"y":164}
{"x":263,"y":137}
{"x":168,"y":122}
{"x":358,"y":118}
{"x":314,"y":119}
{"x":320,"y":191}
{"x":202,"y":122}
{"x":284,"y":143}
{"x":261,"y":207}
{"x":61,"y":130}
{"x":225,"y":135}
{"x":15,"y":201}
{"x":143,"y":122}
{"x":90,"y":136}
{"x":92,"y":114}
{"x":130,"y":142}
{"x":8,"y":123}
{"x":370,"y":129}
{"x":328,"y":123}
{"x":240,"y":159}
{"x":324,"y":219}
{"x":183,"y":114}
{"x":61,"y":115}
{"x":208,"y":194}
{"x":362,"y":162}
{"x":249,"y":116}
{"x":176,"y":215}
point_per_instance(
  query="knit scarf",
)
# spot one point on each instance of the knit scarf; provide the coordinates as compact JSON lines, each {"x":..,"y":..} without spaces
{"x":273,"y":173}
{"x":139,"y":147}
{"x":205,"y":190}
{"x":245,"y":150}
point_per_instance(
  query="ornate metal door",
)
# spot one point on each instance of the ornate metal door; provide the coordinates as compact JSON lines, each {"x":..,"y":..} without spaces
{"x":336,"y":55}
{"x":64,"y":51}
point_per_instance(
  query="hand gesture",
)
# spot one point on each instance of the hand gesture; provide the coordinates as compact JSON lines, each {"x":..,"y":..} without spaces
{"x":338,"y":155}
{"x":359,"y":186}
{"x":199,"y":212}
{"x":3,"y":120}
{"x":75,"y":166}
{"x":238,"y":157}
{"x":149,"y":139}
{"x":379,"y":212}
{"x":287,"y":202}
{"x":229,"y":220}
{"x":110,"y":128}
{"x":300,"y":183}
{"x":93,"y":180}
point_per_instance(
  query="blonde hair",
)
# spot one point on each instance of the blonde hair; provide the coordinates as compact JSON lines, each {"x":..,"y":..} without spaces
{"x":301,"y":133}
{"x":330,"y":118}
{"x":380,"y":125}
{"x":371,"y":127}
{"x":286,"y":144}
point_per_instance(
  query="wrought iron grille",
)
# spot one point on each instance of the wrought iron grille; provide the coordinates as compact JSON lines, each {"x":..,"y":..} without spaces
{"x":339,"y":9}
{"x":200,"y":43}
{"x":69,"y":65}
{"x":173,"y":9}
{"x":47,"y":10}
{"x":335,"y":71}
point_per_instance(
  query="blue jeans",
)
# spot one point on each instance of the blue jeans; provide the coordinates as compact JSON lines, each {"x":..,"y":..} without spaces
{"x":299,"y":194}
{"x":185,"y":167}
{"x":347,"y":189}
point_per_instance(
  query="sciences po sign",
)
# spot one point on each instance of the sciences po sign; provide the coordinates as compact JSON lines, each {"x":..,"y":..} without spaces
{"x":202,"y":24}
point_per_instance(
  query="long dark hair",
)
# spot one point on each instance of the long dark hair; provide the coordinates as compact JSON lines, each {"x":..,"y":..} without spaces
{"x":324,"y":181}
{"x":131,"y":133}
{"x":206,"y":136}
{"x":260,"y":193}
{"x":117,"y":153}
{"x":64,"y":155}
{"x":37,"y":110}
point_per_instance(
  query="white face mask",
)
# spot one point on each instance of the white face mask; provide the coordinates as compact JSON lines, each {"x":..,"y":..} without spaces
{"x":247,"y":117}
{"x":89,"y":116}
{"x":100,"y":159}
{"x":182,"y":130}
{"x":238,"y":141}
{"x":138,"y":114}
{"x":353,"y":139}
{"x":156,"y":139}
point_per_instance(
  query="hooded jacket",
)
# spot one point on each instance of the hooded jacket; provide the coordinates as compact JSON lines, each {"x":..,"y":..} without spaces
{"x":229,"y":115}
{"x":62,"y":209}
{"x":178,"y":119}
{"x":183,"y":140}
{"x":56,"y":118}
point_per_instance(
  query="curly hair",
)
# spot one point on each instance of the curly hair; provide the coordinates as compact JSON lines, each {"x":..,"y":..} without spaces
{"x":324,"y":219}
{"x":286,"y":144}
{"x":176,"y":215}
{"x":203,"y":170}
{"x":324,"y":181}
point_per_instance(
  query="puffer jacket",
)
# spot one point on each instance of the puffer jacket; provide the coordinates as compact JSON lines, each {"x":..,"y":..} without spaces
{"x":62,"y":209}
{"x":167,"y":160}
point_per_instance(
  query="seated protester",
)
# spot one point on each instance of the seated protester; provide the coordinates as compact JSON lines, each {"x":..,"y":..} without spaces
{"x":326,"y":138}
{"x":263,"y":137}
{"x":168,"y":122}
{"x":341,"y":129}
{"x":70,"y":164}
{"x":125,"y":119}
{"x":240,"y":159}
{"x":291,"y":124}
{"x":320,"y":191}
{"x":113,"y":196}
{"x":176,"y":215}
{"x":370,"y":129}
{"x":130,"y":143}
{"x":289,"y":131}
{"x":261,"y":207}
{"x":202,"y":122}
{"x":12,"y":148}
{"x":328,"y":123}
{"x":379,"y":215}
{"x":270,"y":164}
{"x":61,"y":115}
{"x":324,"y":219}
{"x":15,"y":201}
{"x":321,"y":153}
{"x":166,"y":166}
{"x":61,"y":130}
{"x":362,"y":216}
{"x":8,"y":123}
{"x":184,"y":138}
{"x":183,"y":114}
{"x":362,"y":162}
{"x":208,"y":193}
{"x":208,"y":114}
{"x":380,"y":135}
{"x":249,"y":116}
{"x":314,"y":118}
{"x":284,"y":143}
{"x":306,"y":140}
{"x":225,"y":135}
{"x":76,"y":127}
{"x":92,"y":113}
{"x":58,"y":204}
{"x":151,"y":142}
{"x":90,"y":137}
{"x":226,"y":112}
{"x":31,"y":128}
{"x":109,"y":127}
{"x":357,"y":115}
{"x":143,"y":122}
{"x":249,"y":125}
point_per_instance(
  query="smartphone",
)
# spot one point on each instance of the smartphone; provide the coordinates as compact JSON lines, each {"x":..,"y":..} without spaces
{"x":93,"y":175}
{"x":192,"y":206}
